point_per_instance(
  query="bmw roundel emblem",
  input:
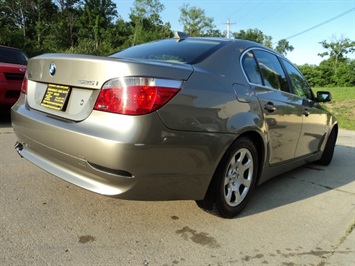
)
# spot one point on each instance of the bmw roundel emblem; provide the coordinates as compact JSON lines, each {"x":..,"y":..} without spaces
{"x":52,"y":69}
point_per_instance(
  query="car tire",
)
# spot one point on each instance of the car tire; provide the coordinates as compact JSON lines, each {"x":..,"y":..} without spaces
{"x":234,"y":180}
{"x":328,"y":152}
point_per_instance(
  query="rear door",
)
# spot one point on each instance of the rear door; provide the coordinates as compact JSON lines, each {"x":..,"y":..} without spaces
{"x":283,"y":118}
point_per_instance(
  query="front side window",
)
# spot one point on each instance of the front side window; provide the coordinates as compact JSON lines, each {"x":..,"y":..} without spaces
{"x":300,"y":86}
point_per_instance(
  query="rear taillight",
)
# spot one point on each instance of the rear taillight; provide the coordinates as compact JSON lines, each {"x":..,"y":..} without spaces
{"x":24,"y":85}
{"x":136,"y":96}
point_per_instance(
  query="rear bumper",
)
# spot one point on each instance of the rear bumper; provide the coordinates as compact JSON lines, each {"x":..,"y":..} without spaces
{"x":79,"y":176}
{"x":129,"y":157}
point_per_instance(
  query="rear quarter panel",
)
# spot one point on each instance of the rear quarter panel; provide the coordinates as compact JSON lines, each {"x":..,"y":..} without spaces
{"x":216,"y":98}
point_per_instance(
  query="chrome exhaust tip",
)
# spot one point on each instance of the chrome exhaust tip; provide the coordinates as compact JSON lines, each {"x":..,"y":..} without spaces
{"x":19,"y":148}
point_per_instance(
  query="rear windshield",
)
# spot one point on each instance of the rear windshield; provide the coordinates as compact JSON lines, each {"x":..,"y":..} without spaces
{"x":189,"y":51}
{"x":12,"y":56}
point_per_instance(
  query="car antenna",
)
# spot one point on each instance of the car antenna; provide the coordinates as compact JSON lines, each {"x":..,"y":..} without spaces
{"x":180,"y":36}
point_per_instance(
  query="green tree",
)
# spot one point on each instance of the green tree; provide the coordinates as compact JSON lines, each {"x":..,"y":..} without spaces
{"x":66,"y":26}
{"x":254,"y":35}
{"x":337,"y":70}
{"x":195,"y":22}
{"x":120,"y":34}
{"x":337,"y":50}
{"x":42,"y":13}
{"x":146,"y":22}
{"x":345,"y":74}
{"x":13,"y":17}
{"x":283,"y":46}
{"x":25,"y":23}
{"x":313,"y":74}
{"x":12,"y":28}
{"x":96,"y":16}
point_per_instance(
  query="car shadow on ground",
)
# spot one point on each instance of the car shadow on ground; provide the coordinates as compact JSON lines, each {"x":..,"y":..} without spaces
{"x":303,"y":183}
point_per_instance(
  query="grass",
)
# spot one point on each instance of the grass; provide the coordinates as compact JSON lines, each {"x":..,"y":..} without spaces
{"x":342,"y":105}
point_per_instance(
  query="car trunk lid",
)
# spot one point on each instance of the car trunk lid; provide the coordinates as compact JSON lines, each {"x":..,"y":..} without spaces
{"x":67,"y":86}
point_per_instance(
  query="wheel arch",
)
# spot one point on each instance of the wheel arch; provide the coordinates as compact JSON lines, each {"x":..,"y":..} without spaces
{"x":335,"y":129}
{"x":260,"y":145}
{"x":258,"y":140}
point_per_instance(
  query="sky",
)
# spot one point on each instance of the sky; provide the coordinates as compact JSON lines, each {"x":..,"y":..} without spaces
{"x":304,"y":23}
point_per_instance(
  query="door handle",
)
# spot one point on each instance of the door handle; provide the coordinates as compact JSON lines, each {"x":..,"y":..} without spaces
{"x":306,"y":112}
{"x":270,"y":107}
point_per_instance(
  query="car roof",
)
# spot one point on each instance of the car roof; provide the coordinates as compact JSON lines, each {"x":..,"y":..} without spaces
{"x":158,"y":50}
{"x":221,"y":39}
{"x":8,"y":47}
{"x":241,"y":43}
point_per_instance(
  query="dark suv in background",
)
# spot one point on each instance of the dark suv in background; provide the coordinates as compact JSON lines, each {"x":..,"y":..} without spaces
{"x":13,"y":63}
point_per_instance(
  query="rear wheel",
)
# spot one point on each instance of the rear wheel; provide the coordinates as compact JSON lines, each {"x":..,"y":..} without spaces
{"x":233,"y":181}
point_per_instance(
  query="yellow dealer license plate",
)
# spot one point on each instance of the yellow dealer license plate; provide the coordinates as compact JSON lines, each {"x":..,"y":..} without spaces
{"x":56,"y":97}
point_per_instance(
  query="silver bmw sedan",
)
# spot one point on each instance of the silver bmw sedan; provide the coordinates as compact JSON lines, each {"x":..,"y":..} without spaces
{"x":204,"y":119}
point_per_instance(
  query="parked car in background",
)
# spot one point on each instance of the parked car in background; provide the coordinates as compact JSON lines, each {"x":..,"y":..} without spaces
{"x":203,"y":119}
{"x":13,"y":63}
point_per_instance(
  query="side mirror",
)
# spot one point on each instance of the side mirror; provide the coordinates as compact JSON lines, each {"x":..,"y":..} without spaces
{"x":323,"y":96}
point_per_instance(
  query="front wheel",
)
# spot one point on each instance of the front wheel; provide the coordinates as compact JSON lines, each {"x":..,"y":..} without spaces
{"x":233,"y":181}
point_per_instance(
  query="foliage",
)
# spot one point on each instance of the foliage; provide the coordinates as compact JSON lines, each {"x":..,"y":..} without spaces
{"x":324,"y":75}
{"x":283,"y":46}
{"x":338,"y":48}
{"x":146,"y":22}
{"x":95,"y":27}
{"x":313,"y":75}
{"x":95,"y":19}
{"x":254,"y":35}
{"x":195,"y":21}
{"x":341,"y":106}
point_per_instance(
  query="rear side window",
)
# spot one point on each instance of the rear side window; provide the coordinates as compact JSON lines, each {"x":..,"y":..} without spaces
{"x":251,"y":69}
{"x":12,"y":56}
{"x":188,"y":51}
{"x":271,"y":71}
{"x":300,"y":86}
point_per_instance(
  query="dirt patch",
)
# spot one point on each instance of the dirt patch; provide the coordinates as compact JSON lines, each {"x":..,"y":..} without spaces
{"x":344,"y":107}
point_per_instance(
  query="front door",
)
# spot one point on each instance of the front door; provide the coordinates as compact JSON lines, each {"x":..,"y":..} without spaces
{"x":313,"y":118}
